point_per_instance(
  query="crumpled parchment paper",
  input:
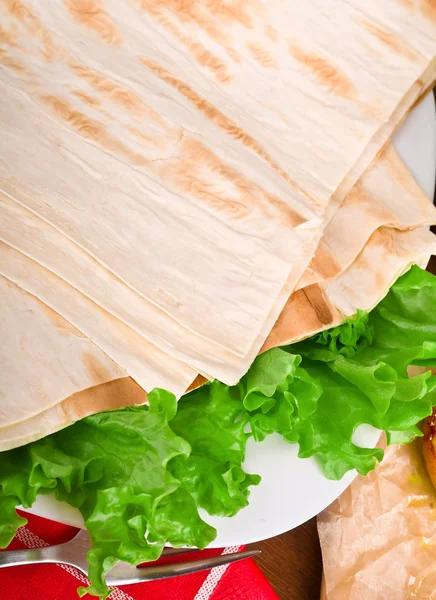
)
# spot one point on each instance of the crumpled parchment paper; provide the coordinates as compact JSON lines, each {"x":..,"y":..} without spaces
{"x":379,"y":538}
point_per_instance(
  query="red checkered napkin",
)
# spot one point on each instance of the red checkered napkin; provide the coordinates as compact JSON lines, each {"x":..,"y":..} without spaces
{"x":240,"y":581}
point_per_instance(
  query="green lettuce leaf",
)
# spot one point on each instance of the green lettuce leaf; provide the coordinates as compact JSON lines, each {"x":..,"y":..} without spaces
{"x":212,"y":419}
{"x":113,"y":467}
{"x":350,"y":337}
{"x":275,"y":392}
{"x":362,"y":369}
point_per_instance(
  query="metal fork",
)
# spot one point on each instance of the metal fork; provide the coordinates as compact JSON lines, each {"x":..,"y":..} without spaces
{"x":74,"y":553}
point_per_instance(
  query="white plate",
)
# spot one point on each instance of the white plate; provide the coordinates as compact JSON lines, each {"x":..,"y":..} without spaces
{"x":294,"y":490}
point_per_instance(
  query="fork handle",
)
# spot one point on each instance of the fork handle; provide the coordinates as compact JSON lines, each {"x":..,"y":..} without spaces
{"x":29,"y":556}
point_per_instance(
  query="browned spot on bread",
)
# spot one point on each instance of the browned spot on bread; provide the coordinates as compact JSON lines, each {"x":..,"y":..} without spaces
{"x":183,"y":10}
{"x":214,"y":17}
{"x":112,"y":395}
{"x":24,"y":15}
{"x":359,"y":195}
{"x":234,"y":55}
{"x":305,"y":313}
{"x":49,"y":49}
{"x":287,"y":215}
{"x":199,"y":172}
{"x":324,"y":263}
{"x":89,"y":128}
{"x":380,"y":279}
{"x":92,"y":14}
{"x":203,"y":56}
{"x":271,"y":33}
{"x":390,"y":40}
{"x":324,"y":71}
{"x":86,"y":98}
{"x":225,"y":13}
{"x":32,"y":24}
{"x":384,"y":236}
{"x":157,"y":141}
{"x":198,"y":382}
{"x":13,"y":63}
{"x":316,"y":298}
{"x":238,"y":10}
{"x":97,"y":370}
{"x":92,"y":130}
{"x":428,"y":8}
{"x":219,"y":119}
{"x":116,"y":92}
{"x":262,"y":55}
{"x":141,"y":136}
{"x":8,"y":37}
{"x":208,"y":60}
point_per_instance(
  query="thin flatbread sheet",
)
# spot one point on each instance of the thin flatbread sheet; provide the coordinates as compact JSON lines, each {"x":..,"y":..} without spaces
{"x":387,"y":255}
{"x":148,"y":365}
{"x":35,"y":238}
{"x":187,"y":231}
{"x":112,"y":395}
{"x":153,"y":153}
{"x":385,"y":195}
{"x":314,"y":309}
{"x":43,"y":358}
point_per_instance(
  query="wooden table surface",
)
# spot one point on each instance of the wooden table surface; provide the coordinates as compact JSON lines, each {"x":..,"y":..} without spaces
{"x":292,"y":563}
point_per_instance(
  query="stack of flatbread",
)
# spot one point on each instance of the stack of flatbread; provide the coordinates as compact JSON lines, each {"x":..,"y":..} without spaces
{"x":186,"y":184}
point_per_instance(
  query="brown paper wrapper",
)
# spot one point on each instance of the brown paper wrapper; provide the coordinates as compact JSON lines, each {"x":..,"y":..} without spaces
{"x":379,"y":538}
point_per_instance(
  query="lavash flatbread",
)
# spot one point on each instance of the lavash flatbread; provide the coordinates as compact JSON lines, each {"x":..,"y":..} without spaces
{"x":148,"y":366}
{"x":115,"y":394}
{"x":313,"y":309}
{"x":180,"y":147}
{"x":310,"y":311}
{"x":387,"y":255}
{"x":183,"y":245}
{"x":85,"y":144}
{"x":46,"y":245}
{"x":34,"y":237}
{"x":386,"y":195}
{"x":43,"y":358}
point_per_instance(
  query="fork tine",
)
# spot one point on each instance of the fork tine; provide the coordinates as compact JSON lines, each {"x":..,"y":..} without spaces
{"x":123,"y":574}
